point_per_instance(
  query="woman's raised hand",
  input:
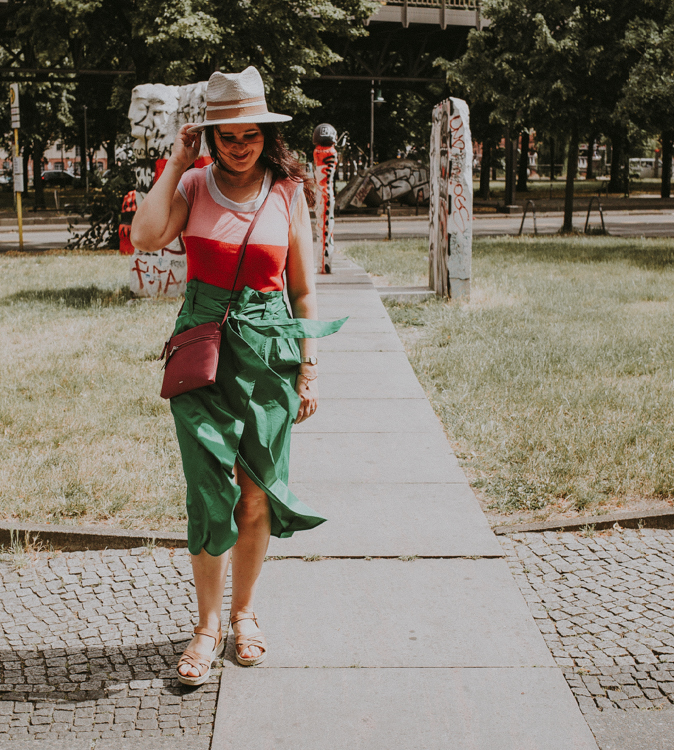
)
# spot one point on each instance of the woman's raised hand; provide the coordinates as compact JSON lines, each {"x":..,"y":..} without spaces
{"x":186,"y":146}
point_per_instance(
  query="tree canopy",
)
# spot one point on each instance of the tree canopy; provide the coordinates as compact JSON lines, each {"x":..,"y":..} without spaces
{"x":162,"y":41}
{"x":566,"y":67}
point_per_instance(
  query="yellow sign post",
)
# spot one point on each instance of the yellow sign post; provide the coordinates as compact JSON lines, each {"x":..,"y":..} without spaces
{"x":17,"y":162}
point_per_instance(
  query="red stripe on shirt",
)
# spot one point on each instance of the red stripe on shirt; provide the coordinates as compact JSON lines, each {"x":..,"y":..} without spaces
{"x":215,"y":263}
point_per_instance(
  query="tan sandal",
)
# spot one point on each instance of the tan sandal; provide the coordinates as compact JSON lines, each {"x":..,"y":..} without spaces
{"x":244,"y":641}
{"x":201,"y":662}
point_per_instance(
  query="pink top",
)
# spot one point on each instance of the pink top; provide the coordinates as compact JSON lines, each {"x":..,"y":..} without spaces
{"x":216,"y":227}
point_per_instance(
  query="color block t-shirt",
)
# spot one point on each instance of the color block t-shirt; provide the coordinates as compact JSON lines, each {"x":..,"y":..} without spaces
{"x":216,"y":227}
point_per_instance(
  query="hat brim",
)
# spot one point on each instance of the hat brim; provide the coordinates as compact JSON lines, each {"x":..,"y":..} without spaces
{"x":252,"y":119}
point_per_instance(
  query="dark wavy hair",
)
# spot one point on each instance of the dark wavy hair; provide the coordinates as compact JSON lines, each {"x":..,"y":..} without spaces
{"x":275,"y":155}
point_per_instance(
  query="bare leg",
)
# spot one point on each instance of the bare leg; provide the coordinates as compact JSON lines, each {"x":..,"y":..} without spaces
{"x":210,"y":576}
{"x":253,"y":518}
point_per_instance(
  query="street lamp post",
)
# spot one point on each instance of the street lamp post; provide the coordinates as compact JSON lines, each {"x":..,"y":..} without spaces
{"x":372,"y":125}
{"x":84,"y":157}
{"x":378,"y":99}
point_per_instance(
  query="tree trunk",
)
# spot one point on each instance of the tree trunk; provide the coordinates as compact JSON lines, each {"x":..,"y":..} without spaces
{"x":666,"y":184}
{"x":485,"y":169}
{"x":38,"y":153}
{"x":571,"y":169}
{"x":110,"y":152}
{"x":83,"y":158}
{"x":617,"y":182}
{"x":523,"y":166}
{"x":510,"y":164}
{"x":552,"y":158}
{"x":589,"y":174}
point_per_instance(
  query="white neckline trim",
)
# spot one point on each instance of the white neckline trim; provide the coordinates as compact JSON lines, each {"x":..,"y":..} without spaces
{"x":220,"y":199}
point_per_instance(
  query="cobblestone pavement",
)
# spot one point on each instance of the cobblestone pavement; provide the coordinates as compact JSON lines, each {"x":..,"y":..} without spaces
{"x":605,"y":606}
{"x":88,"y":646}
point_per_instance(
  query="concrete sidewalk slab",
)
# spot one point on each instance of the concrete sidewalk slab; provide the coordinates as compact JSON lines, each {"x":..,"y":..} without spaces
{"x":398,"y":709}
{"x":394,"y":385}
{"x":448,"y":646}
{"x":361,"y":342}
{"x":368,"y":325}
{"x":194,"y":742}
{"x":389,"y":520}
{"x":378,"y":363}
{"x":633,"y":729}
{"x":371,"y":415}
{"x":337,"y":310}
{"x":373,"y":457}
{"x":394,"y":613}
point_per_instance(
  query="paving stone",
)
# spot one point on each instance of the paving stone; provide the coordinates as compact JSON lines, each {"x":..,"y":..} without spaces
{"x":604,"y":632}
{"x":118,"y":680}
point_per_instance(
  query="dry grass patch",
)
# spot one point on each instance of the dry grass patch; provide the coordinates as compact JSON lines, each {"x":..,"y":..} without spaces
{"x":557,"y":380}
{"x":84,"y":436}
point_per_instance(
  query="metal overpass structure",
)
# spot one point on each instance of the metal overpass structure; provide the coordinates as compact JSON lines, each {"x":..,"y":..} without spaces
{"x":404,"y":39}
{"x":431,"y":12}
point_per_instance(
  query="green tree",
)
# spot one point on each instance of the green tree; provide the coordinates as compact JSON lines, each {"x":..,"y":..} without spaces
{"x":175,"y":42}
{"x":556,"y":65}
{"x":648,"y":98}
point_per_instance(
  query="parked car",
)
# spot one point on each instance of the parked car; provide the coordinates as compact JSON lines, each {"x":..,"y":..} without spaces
{"x":7,"y":182}
{"x":57,"y":178}
{"x":640,"y":168}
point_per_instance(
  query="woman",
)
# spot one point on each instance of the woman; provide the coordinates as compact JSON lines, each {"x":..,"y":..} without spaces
{"x":234,"y":436}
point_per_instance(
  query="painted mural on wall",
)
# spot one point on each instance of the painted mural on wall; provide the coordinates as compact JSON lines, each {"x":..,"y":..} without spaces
{"x":156,"y":113}
{"x":451,"y":200}
{"x":396,"y":179}
{"x":325,"y":166}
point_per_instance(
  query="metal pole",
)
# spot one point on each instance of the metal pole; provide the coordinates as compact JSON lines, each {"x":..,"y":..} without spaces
{"x":372,"y":125}
{"x":19,"y":208}
{"x":84,"y":158}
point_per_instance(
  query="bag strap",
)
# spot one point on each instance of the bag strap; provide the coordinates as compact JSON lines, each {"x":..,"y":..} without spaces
{"x":242,"y":252}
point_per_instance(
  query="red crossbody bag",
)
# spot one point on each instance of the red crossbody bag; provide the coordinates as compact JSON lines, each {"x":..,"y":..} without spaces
{"x":192,"y":356}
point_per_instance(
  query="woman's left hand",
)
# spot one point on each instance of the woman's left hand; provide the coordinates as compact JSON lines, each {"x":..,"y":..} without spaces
{"x":307,"y":389}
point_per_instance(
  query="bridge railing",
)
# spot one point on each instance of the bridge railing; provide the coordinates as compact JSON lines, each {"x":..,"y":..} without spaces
{"x":454,"y":4}
{"x":442,"y":12}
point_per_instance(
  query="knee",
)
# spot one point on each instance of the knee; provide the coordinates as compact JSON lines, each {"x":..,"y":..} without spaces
{"x":252,"y":508}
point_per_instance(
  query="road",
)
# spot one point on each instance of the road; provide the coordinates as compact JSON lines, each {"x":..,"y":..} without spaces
{"x":618,"y":223}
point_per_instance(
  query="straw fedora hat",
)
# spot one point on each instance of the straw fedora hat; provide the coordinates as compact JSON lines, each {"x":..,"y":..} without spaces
{"x":237,"y":98}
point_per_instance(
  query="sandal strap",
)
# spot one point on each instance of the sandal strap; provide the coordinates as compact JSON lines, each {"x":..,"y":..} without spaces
{"x":256,"y":639}
{"x":243,"y":616}
{"x":216,"y":636}
{"x":195,"y":660}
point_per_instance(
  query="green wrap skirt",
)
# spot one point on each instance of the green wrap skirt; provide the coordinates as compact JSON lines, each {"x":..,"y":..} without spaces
{"x":246,"y":414}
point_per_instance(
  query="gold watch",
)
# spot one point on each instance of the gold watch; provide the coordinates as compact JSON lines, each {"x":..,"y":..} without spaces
{"x":309,"y":361}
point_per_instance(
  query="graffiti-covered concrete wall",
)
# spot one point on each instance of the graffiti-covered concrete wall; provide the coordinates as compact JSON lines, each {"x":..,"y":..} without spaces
{"x":393,"y":179}
{"x":156,"y":114}
{"x":451,"y":200}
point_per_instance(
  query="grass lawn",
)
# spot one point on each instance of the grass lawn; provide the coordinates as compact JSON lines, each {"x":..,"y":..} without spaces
{"x":84,"y":436}
{"x":556,"y":382}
